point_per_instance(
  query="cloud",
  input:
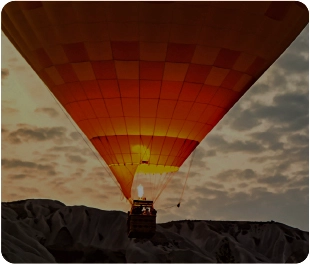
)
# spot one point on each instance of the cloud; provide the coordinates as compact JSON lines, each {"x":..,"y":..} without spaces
{"x":210,"y":153}
{"x":63,"y":186}
{"x":294,"y":154}
{"x":72,"y":149}
{"x":62,"y":189}
{"x":280,"y":166}
{"x":275,"y":180}
{"x":28,"y":133}
{"x":289,"y":158}
{"x":270,"y":139}
{"x":46,"y":157}
{"x":15,"y":163}
{"x":101,"y":196}
{"x":300,"y":182}
{"x":243,"y":119}
{"x":29,"y":190}
{"x":87,"y":190}
{"x":48,"y":168}
{"x":289,"y":206}
{"x":56,"y":182}
{"x":293,"y":160}
{"x":288,"y":111}
{"x":207,"y":192}
{"x":259,"y":88}
{"x":75,"y":158}
{"x":304,"y":172}
{"x":177,"y":182}
{"x":47,"y":110}
{"x":19,"y":176}
{"x":214,"y":185}
{"x":235,"y":175}
{"x":298,"y":139}
{"x":4,"y":73}
{"x":198,"y":160}
{"x":100,"y":175}
{"x":9,"y":110}
{"x":220,"y":144}
{"x":200,"y":153}
{"x":4,"y":130}
{"x":257,"y":191}
{"x":93,"y":194}
{"x":75,"y":135}
{"x":293,"y":64}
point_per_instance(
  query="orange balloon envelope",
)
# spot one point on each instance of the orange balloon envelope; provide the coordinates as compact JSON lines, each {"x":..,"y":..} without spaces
{"x":147,"y":81}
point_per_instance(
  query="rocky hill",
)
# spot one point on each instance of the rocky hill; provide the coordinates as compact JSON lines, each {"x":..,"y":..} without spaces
{"x":48,"y":231}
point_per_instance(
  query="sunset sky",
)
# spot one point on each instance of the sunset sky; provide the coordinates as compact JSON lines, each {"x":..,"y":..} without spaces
{"x":252,"y":166}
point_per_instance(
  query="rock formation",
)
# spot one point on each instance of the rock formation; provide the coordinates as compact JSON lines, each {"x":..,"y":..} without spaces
{"x":40,"y":231}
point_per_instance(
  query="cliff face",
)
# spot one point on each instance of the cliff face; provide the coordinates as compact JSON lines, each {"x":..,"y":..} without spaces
{"x":49,"y":231}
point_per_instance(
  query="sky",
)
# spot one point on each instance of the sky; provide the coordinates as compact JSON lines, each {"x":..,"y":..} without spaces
{"x":253,"y":166}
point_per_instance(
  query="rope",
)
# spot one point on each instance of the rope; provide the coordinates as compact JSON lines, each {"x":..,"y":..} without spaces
{"x":168,"y":177}
{"x":169,"y":207}
{"x":189,"y":168}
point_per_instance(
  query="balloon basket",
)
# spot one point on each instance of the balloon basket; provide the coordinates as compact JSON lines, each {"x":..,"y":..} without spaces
{"x":141,"y":220}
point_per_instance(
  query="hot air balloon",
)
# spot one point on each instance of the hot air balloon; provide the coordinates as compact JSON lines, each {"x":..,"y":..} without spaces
{"x":147,"y":81}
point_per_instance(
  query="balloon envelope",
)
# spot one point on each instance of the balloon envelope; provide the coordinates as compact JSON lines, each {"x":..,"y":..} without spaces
{"x":147,"y":81}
